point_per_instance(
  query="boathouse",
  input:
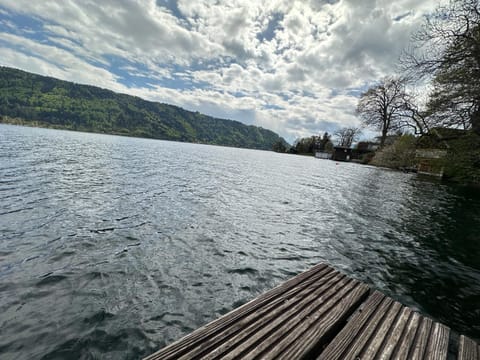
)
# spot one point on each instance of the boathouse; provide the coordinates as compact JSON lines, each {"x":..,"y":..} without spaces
{"x":341,"y":153}
{"x":430,"y":161}
{"x":323,"y":155}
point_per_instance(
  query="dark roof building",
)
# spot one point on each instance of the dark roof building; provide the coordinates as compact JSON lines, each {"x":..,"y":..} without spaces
{"x":341,"y":153}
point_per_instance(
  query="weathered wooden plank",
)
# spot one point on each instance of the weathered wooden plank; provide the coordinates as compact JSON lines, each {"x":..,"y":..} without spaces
{"x":421,"y":339}
{"x":197,"y":337}
{"x":388,"y":330}
{"x":284,"y":308}
{"x":403,"y":347}
{"x":375,"y":304}
{"x":313,"y":311}
{"x":387,"y":334}
{"x":369,"y":330}
{"x":468,"y":349}
{"x":251,"y":339}
{"x":319,"y":327}
{"x":438,"y":342}
{"x":270,"y":310}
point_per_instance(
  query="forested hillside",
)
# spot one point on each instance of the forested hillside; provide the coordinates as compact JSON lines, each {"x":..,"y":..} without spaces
{"x":31,"y":99}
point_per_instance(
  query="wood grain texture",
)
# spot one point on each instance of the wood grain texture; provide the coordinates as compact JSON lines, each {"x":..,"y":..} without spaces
{"x":421,"y":339}
{"x":268,"y":326}
{"x":318,"y":327}
{"x":384,"y":329}
{"x":438,"y":342}
{"x":468,"y":349}
{"x":197,"y":338}
{"x":376,"y":304}
{"x":249,"y":326}
{"x":320,"y":314}
{"x":384,"y":340}
{"x":394,"y":340}
{"x":408,"y":336}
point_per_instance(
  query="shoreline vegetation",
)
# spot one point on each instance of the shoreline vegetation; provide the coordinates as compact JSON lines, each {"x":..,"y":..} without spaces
{"x":460,"y":165}
{"x":452,"y":153}
{"x":462,"y":148}
{"x":30,"y":99}
{"x":6,"y":120}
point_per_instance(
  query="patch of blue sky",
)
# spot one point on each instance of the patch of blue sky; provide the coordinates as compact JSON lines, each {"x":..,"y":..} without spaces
{"x":272,"y":107}
{"x":356,"y":92}
{"x":285,"y":96}
{"x":269,"y":32}
{"x":130,"y":74}
{"x":24,"y":50}
{"x":21,"y":24}
{"x":172,"y":7}
{"x":134,"y":74}
{"x":178,"y":82}
{"x":28,"y":28}
{"x":209,"y":64}
{"x":360,"y":89}
{"x":334,"y":92}
{"x":308,"y":93}
{"x":238,"y":94}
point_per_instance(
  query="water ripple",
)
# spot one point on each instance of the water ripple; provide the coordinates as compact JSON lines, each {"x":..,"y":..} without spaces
{"x":112,"y":247}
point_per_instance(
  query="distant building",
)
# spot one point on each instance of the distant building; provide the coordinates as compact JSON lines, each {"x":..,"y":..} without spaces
{"x":341,"y":153}
{"x":323,"y":155}
{"x":367,"y":146}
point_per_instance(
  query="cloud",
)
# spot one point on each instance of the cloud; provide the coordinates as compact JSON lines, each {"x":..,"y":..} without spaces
{"x":295,"y":67}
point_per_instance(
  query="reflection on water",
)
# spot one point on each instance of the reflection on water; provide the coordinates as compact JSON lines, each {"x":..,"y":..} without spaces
{"x":112,"y":247}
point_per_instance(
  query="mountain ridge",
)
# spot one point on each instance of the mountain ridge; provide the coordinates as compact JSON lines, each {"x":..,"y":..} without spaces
{"x":45,"y":101}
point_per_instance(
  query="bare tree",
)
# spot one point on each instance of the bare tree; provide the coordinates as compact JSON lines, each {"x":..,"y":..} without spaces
{"x":447,"y":49}
{"x":346,"y":136}
{"x":414,"y":116}
{"x":435,"y":45}
{"x":382,"y":106}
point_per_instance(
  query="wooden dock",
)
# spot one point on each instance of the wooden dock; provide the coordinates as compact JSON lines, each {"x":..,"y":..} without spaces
{"x":321,"y":314}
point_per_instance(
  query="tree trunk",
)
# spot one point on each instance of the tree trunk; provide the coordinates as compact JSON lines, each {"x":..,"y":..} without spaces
{"x":383,"y":138}
{"x":475,"y":121}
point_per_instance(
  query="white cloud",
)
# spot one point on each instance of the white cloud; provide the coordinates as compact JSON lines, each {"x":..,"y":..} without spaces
{"x":286,"y":65}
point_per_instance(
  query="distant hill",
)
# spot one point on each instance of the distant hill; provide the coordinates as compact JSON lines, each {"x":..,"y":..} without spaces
{"x":30,"y":99}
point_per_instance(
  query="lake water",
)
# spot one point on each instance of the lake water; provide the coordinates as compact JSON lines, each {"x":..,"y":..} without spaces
{"x":112,"y":247}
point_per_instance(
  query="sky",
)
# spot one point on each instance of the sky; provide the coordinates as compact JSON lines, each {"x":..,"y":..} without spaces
{"x":295,"y":67}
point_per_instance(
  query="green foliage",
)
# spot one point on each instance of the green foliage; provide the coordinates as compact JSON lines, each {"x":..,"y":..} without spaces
{"x":399,"y":155}
{"x":49,"y":102}
{"x":463,"y":159}
{"x":304,"y":145}
{"x":325,"y":143}
{"x":308,"y":145}
{"x":328,"y":147}
{"x":462,"y":162}
{"x":279,"y":146}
